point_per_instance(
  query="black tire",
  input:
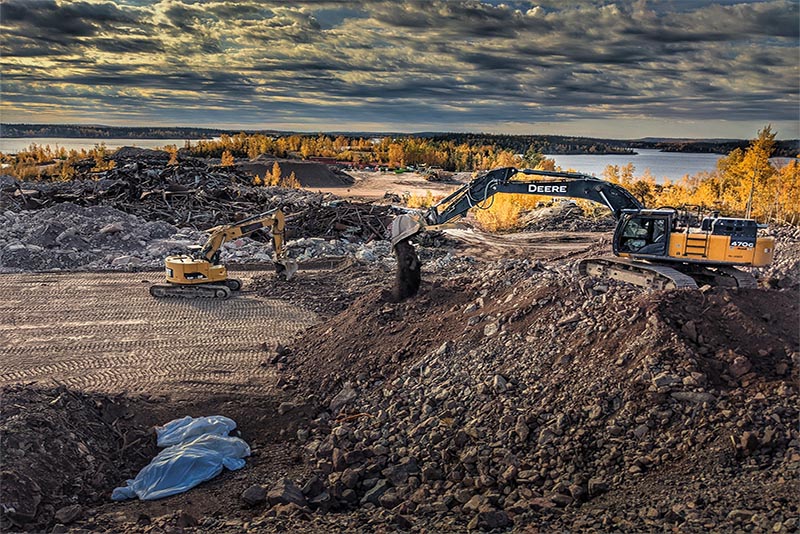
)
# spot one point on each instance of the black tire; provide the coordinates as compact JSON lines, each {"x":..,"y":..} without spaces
{"x":222,"y":293}
{"x":233,"y":284}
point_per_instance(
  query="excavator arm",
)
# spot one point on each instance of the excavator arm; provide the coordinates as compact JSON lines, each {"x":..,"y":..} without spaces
{"x":504,"y":180}
{"x":274,"y":220}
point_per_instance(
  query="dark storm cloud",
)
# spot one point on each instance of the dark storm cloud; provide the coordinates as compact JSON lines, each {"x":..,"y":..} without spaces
{"x":127,"y":45}
{"x":60,"y":21}
{"x":405,"y":62}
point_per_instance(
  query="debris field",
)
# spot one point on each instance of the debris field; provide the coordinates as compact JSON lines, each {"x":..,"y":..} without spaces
{"x":508,"y":395}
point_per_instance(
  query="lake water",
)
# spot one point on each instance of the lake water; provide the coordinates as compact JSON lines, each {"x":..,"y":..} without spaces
{"x":672,"y":165}
{"x":11,"y":145}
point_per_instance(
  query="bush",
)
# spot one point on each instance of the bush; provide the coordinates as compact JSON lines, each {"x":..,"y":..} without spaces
{"x":504,"y":210}
{"x":421,"y":201}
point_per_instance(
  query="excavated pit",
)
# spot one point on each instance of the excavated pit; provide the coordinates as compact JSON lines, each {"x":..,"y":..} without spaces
{"x":65,"y":450}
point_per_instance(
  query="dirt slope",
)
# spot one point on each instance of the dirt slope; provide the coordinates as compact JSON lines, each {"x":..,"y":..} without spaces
{"x":539,"y":400}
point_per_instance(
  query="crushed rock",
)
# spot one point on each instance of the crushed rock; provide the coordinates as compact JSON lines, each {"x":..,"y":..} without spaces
{"x":582,"y":398}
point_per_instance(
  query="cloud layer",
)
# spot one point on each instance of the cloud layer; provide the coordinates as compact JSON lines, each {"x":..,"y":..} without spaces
{"x":621,"y":69}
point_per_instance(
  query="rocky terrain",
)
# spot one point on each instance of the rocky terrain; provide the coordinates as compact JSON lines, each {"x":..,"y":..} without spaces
{"x":564,"y":405}
{"x":509,"y":394}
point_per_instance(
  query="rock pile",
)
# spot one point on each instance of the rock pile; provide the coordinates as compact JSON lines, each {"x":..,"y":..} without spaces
{"x":570,"y":405}
{"x":785,"y":269}
{"x":70,"y":237}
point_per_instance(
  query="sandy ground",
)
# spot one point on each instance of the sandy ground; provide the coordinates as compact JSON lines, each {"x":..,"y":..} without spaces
{"x":104,"y":332}
{"x":374,"y":185}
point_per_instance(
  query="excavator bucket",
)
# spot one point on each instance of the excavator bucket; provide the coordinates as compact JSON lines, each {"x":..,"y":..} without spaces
{"x":407,"y":279}
{"x":408,"y":275}
{"x":403,"y":227}
{"x":286,"y":268}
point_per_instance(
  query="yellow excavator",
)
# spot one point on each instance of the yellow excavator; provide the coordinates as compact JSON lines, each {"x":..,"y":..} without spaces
{"x":199,"y":274}
{"x":653,"y":248}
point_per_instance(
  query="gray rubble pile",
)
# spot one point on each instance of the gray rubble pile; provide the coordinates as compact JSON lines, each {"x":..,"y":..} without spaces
{"x":564,"y":217}
{"x":71,"y":237}
{"x":309,"y":248}
{"x":526,"y":397}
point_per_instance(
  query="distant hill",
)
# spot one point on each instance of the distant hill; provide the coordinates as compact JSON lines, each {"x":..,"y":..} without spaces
{"x":546,"y":144}
{"x":105,"y":132}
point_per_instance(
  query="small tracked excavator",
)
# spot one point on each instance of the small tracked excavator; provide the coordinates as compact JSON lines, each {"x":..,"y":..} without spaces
{"x":653,"y":248}
{"x":199,"y":274}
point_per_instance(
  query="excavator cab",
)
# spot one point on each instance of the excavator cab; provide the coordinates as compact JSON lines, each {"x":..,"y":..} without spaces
{"x":643,"y":233}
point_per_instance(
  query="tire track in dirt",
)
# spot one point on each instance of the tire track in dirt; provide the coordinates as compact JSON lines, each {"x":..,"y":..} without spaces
{"x":104,"y":332}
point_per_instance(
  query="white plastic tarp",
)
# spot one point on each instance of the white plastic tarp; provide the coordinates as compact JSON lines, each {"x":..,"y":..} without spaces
{"x":197,"y":450}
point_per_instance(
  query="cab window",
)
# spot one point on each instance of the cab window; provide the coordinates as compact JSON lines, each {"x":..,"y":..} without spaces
{"x":644,"y":235}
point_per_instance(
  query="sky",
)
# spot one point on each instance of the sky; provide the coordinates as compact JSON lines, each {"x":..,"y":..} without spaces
{"x":625,"y":69}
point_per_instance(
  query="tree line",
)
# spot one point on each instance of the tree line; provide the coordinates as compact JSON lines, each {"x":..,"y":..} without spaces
{"x":518,"y":144}
{"x":746,"y":182}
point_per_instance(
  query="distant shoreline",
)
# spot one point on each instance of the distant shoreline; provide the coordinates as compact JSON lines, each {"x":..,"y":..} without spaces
{"x":546,"y":144}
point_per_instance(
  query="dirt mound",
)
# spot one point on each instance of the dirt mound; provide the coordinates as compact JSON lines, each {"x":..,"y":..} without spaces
{"x":545,"y":400}
{"x":331,"y":355}
{"x":127,"y":154}
{"x":325,"y":291}
{"x":309,"y":174}
{"x":63,"y":450}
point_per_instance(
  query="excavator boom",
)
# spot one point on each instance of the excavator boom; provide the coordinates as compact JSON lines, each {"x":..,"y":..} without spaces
{"x":504,"y":180}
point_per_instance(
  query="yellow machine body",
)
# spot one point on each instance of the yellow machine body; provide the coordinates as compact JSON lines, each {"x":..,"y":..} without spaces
{"x":185,"y":269}
{"x":701,"y":247}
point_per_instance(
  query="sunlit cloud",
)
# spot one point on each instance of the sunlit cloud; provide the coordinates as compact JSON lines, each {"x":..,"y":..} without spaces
{"x":521,"y":67}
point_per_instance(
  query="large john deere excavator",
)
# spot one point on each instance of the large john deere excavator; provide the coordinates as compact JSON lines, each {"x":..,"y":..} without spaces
{"x":199,"y":274}
{"x":654,"y":248}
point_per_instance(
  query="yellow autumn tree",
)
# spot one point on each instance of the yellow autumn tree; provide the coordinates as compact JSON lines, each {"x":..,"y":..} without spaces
{"x":786,"y":187}
{"x":397,"y":156}
{"x":275,"y":175}
{"x":506,"y":159}
{"x":747,"y":177}
{"x":172,"y":150}
{"x":227,"y":159}
{"x":291,"y":181}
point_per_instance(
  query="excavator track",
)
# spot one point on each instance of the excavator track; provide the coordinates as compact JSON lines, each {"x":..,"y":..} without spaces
{"x":743,"y":279}
{"x":725,"y":276}
{"x":213,"y":291}
{"x":647,"y":275}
